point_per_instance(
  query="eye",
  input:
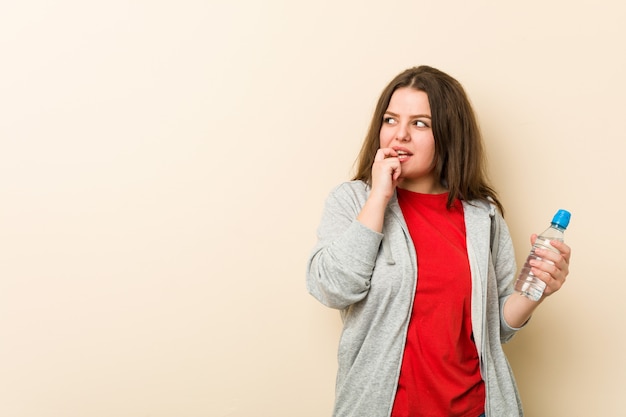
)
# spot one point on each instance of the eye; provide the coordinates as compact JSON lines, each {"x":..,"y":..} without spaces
{"x":389,"y":120}
{"x":420,"y":123}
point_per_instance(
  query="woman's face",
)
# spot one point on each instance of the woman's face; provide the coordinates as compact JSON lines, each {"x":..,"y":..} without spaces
{"x":407,"y":129}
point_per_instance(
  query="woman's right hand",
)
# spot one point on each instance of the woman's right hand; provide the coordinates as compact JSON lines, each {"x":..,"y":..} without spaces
{"x":385,"y":173}
{"x":385,"y":178}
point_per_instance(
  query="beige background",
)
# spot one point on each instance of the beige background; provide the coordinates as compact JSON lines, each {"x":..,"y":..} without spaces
{"x":163,"y":166}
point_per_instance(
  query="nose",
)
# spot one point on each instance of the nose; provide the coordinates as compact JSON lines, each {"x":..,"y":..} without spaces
{"x":402,"y":134}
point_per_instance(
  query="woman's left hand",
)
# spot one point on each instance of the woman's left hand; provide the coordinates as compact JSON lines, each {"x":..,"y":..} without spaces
{"x":554,"y":272}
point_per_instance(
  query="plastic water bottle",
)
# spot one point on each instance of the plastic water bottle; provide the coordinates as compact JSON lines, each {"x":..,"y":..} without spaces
{"x":527,"y":283}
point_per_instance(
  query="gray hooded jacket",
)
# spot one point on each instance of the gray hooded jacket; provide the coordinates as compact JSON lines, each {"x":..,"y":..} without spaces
{"x":371,"y":278}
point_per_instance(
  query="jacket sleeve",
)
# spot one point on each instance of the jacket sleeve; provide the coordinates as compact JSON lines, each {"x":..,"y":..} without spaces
{"x":340,"y":266}
{"x":505,"y":269}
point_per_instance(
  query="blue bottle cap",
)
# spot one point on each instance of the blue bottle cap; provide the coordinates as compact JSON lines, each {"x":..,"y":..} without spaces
{"x":561,"y":218}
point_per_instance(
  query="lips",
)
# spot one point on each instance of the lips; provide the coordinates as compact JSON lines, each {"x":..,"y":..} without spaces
{"x":402,"y":153}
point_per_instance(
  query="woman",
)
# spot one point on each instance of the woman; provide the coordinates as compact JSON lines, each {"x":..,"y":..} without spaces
{"x":415,"y":253}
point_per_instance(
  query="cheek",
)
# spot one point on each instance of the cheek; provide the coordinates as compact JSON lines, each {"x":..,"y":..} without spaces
{"x":431,"y":149}
{"x":425,"y":148}
{"x":428,"y":145}
{"x":431,"y":157}
{"x":384,"y":138}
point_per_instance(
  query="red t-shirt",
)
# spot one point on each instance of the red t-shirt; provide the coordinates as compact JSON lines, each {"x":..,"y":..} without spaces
{"x":440,"y":373}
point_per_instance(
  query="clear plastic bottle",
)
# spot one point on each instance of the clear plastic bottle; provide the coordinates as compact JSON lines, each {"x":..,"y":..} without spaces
{"x":527,"y":283}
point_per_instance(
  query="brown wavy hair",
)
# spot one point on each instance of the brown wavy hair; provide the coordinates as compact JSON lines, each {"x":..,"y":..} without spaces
{"x":459,"y":160}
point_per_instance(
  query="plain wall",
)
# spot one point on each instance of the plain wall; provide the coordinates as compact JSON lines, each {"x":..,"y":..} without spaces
{"x":163,"y":166}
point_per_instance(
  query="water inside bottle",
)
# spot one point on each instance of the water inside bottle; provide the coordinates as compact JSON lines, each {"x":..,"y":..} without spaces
{"x":527,"y":283}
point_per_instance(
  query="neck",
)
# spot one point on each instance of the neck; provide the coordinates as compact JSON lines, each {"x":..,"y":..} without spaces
{"x":422,"y":187}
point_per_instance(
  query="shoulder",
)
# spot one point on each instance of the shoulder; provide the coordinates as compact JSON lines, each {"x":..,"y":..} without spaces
{"x":480,"y":208}
{"x":482,"y":217}
{"x":354,"y":186}
{"x":348,"y":196}
{"x":351,"y":190}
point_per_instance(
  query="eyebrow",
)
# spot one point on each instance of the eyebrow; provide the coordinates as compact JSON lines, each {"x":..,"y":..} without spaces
{"x":415,"y":116}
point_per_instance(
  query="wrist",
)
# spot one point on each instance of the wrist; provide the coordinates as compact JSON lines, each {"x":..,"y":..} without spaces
{"x":518,"y":309}
{"x":372,"y":214}
{"x":380,"y":197}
